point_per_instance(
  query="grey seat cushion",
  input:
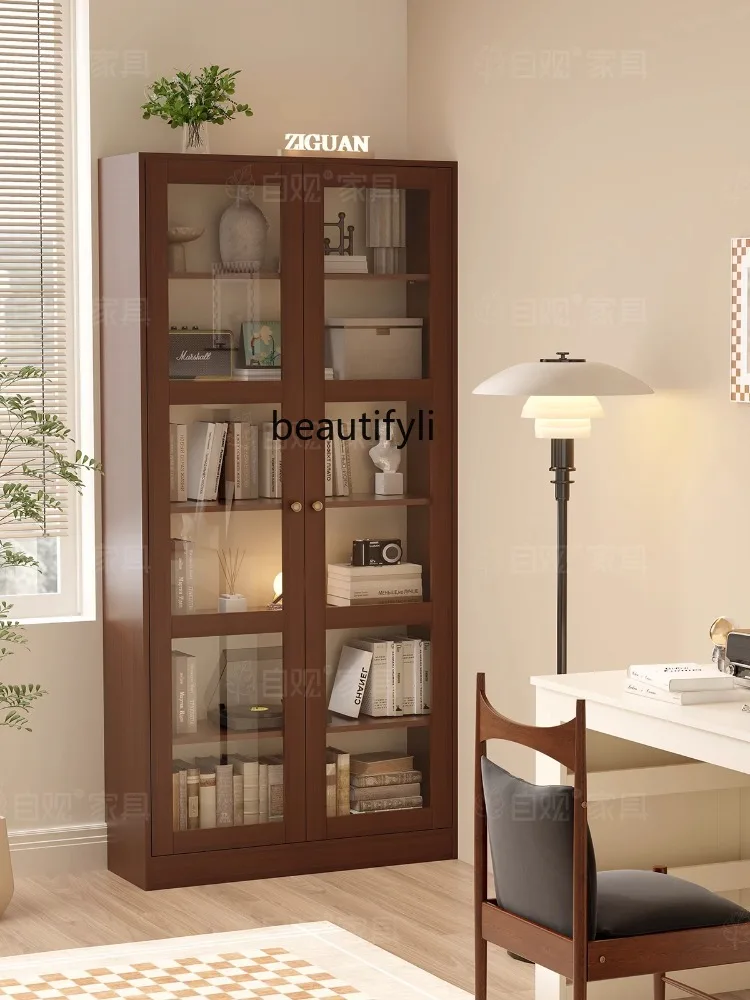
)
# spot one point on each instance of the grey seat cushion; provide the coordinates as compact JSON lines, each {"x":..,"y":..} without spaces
{"x":640,"y":902}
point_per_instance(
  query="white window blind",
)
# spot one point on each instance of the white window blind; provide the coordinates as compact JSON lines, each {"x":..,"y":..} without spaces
{"x":34,"y":311}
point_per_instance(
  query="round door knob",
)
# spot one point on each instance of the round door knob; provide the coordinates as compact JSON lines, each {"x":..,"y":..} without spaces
{"x":296,"y":506}
{"x":317,"y":505}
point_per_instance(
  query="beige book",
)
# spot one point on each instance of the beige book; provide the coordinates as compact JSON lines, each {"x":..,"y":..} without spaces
{"x":207,"y":800}
{"x":385,"y":792}
{"x":238,"y":799}
{"x":342,"y":780}
{"x":381,"y":762}
{"x":193,"y":782}
{"x":331,"y":790}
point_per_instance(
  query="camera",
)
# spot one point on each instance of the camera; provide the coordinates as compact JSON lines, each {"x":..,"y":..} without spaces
{"x":376,"y":551}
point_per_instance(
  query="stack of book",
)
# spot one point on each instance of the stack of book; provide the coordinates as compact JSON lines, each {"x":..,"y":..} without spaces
{"x":232,"y":790}
{"x":345,"y":264}
{"x":394,"y":584}
{"x":383,"y":678}
{"x":338,"y":469}
{"x":682,"y":683}
{"x":383,"y":781}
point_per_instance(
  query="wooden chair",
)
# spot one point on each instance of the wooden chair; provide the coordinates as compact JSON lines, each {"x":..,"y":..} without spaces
{"x":552,"y":907}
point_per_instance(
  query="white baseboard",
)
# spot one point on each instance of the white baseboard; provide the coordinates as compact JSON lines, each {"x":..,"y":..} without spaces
{"x":58,"y":850}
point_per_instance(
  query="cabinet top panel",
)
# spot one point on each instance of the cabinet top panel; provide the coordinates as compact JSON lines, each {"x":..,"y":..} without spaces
{"x":312,"y":160}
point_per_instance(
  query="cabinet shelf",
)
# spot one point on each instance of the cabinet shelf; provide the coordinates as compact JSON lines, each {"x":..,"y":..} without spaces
{"x":340,"y":724}
{"x":210,"y":623}
{"x":218,"y":392}
{"x":228,"y":276}
{"x":378,"y":390}
{"x":218,"y":506}
{"x":376,"y":277}
{"x":209,"y":732}
{"x":375,"y":500}
{"x":376,"y":615}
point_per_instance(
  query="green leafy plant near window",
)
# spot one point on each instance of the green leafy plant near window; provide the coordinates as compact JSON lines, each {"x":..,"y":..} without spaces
{"x":24,"y":498}
{"x":192,"y":100}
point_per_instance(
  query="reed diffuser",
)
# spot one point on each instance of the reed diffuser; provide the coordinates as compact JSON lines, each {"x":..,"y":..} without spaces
{"x":230,"y":561}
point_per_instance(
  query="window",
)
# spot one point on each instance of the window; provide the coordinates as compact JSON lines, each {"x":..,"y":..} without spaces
{"x":45,"y":261}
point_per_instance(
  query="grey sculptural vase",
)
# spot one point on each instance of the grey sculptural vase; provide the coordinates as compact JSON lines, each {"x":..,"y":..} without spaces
{"x":243,"y":232}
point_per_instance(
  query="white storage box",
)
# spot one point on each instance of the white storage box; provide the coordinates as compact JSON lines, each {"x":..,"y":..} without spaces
{"x":374,"y":348}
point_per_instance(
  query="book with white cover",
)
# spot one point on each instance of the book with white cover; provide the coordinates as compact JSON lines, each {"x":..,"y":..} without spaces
{"x":426,"y":671}
{"x":269,"y":463}
{"x":341,"y":463}
{"x":216,"y":461}
{"x":241,"y":466}
{"x":395,"y":685}
{"x":682,"y":676}
{"x":402,"y":588}
{"x":375,"y":700}
{"x":329,"y":467}
{"x":645,"y":690}
{"x":200,"y":436}
{"x":346,"y":571}
{"x":350,"y":682}
{"x":178,"y":462}
{"x":184,"y":693}
{"x":409,"y":672}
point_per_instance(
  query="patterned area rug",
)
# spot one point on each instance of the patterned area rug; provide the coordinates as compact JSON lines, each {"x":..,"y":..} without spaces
{"x":297,"y":962}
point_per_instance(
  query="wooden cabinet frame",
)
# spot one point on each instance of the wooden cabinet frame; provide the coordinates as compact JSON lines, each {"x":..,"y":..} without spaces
{"x":139,"y":626}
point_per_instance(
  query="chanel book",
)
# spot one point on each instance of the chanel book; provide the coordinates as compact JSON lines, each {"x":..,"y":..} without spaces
{"x":350,"y":682}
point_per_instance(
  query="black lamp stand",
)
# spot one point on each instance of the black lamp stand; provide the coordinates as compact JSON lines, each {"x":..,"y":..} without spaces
{"x":562,"y":466}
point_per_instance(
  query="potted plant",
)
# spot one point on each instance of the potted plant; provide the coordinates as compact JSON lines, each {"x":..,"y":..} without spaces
{"x":24,"y":497}
{"x":193,"y":102}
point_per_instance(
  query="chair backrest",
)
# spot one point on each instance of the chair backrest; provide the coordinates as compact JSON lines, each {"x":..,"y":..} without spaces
{"x":542,"y":857}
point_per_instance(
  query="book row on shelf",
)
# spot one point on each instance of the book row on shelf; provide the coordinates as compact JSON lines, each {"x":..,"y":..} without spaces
{"x":383,"y":678}
{"x":382,"y":781}
{"x":239,"y":460}
{"x":394,"y":583}
{"x":231,"y":790}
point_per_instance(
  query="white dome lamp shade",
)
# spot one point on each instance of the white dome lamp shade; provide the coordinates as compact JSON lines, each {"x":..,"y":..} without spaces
{"x":562,"y":401}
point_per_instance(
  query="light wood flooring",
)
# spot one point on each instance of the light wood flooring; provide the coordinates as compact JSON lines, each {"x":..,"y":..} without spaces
{"x":422,"y":913}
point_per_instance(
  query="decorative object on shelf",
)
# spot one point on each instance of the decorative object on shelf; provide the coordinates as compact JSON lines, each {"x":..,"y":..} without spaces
{"x":278,"y":592}
{"x":178,"y":236}
{"x":193,"y":102}
{"x":247,"y":718}
{"x":345,"y":245}
{"x":562,"y":398}
{"x":262,"y":343}
{"x":231,"y":561}
{"x":243,"y":234}
{"x":354,"y":264}
{"x":369,"y":347}
{"x":386,"y":229}
{"x":377,"y":551}
{"x":196,"y":353}
{"x":387,"y":457}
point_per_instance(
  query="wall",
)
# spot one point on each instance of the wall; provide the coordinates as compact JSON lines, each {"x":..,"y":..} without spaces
{"x":602,"y":175}
{"x":330,"y":66}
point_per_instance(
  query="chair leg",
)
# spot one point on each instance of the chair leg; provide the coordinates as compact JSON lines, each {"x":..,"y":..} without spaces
{"x":480,"y":967}
{"x":579,"y":987}
{"x":659,"y":985}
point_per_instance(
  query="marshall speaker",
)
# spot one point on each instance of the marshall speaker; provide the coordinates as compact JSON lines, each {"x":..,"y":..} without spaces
{"x":200,"y":353}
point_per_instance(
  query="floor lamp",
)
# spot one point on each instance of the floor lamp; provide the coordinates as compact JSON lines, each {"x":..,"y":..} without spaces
{"x":562,"y":400}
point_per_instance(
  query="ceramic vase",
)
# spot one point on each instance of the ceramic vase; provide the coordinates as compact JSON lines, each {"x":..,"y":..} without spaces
{"x":195,"y":137}
{"x":6,"y":871}
{"x":243,"y":232}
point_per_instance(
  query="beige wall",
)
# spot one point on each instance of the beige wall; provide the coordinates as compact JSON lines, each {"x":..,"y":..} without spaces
{"x":604,"y":167}
{"x":329,"y":66}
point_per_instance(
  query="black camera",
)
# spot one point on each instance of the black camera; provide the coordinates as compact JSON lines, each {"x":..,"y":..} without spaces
{"x":376,"y":551}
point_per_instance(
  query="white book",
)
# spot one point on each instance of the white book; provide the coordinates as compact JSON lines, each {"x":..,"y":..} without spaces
{"x":402,"y":588}
{"x":348,"y":602}
{"x":350,"y":682}
{"x":409,"y":669}
{"x":200,"y":438}
{"x":426,"y":670}
{"x":329,"y":468}
{"x":241,"y":464}
{"x":395,"y":688}
{"x":645,"y":690}
{"x":348,"y":572}
{"x":340,"y":468}
{"x":269,"y":461}
{"x":213,"y":473}
{"x":682,"y":676}
{"x":375,"y":699}
{"x":207,"y":801}
{"x":184,"y":693}
{"x":249,"y":771}
{"x":224,"y":795}
{"x":178,"y":462}
{"x":238,"y":800}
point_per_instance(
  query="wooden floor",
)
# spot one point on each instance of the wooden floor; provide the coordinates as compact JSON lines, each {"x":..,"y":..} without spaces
{"x":423,"y":913}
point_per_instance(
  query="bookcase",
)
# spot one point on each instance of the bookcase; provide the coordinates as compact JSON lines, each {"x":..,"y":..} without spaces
{"x":275,"y":656}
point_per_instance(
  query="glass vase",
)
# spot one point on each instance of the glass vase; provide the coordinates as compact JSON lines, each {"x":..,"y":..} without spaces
{"x":195,"y":137}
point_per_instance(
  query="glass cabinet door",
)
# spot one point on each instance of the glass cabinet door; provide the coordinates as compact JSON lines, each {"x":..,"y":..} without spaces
{"x":226,"y":525}
{"x":379,"y":482}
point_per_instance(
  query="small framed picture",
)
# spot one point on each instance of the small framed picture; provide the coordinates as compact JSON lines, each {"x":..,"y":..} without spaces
{"x":261,"y":341}
{"x":740,"y":355}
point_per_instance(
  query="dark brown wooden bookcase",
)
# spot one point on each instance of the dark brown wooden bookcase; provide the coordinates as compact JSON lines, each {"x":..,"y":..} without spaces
{"x":141,"y":196}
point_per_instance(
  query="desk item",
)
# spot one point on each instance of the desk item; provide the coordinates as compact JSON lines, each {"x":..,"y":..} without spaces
{"x":681,"y":677}
{"x":562,"y":398}
{"x":200,"y":353}
{"x":645,"y":690}
{"x":738,"y":654}
{"x":720,"y":629}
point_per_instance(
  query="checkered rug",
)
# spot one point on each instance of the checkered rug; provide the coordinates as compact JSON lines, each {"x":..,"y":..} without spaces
{"x":267,"y":972}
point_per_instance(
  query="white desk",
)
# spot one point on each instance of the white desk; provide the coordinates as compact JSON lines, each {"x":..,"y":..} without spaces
{"x":713,"y":736}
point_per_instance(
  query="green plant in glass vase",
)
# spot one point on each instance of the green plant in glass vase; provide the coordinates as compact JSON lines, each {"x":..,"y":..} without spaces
{"x":195,"y":101}
{"x":36,"y":455}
